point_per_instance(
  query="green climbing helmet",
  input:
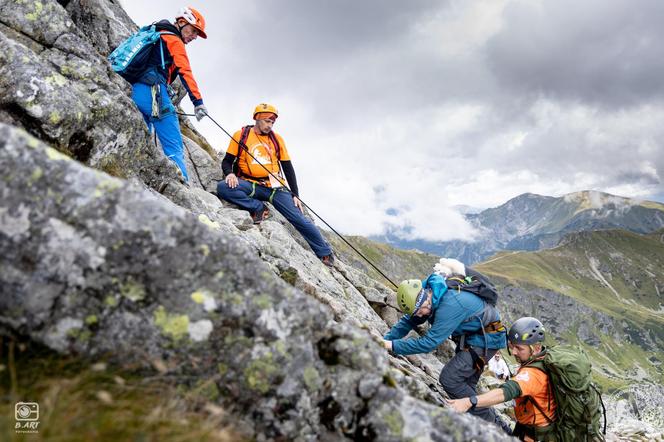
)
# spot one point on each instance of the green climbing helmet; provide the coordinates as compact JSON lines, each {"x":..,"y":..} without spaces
{"x":407,"y":295}
{"x":527,"y":331}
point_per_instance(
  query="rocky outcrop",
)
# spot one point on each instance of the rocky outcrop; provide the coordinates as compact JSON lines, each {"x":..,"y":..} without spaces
{"x":125,"y":261}
{"x":562,"y":313}
{"x":56,"y":84}
{"x":95,"y":265}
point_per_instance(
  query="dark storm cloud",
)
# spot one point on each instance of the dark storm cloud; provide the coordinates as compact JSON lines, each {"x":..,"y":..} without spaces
{"x":596,"y":51}
{"x":317,"y":30}
{"x":349,"y":52}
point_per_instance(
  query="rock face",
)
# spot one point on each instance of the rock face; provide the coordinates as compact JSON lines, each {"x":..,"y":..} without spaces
{"x":92,"y":264}
{"x":104,"y":252}
{"x":58,"y":86}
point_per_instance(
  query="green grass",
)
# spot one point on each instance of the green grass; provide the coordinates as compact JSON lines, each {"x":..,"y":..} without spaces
{"x":80,"y":401}
{"x":396,"y":263}
{"x":631,"y":263}
{"x":652,"y":205}
{"x":624,"y":257}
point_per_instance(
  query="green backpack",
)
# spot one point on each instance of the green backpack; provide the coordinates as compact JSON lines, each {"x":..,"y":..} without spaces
{"x":579,"y":403}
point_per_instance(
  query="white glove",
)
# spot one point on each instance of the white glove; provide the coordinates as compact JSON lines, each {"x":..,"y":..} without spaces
{"x":200,"y":111}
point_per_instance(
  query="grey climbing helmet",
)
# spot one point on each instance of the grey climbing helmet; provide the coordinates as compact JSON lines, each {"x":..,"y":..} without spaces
{"x":526,"y":331}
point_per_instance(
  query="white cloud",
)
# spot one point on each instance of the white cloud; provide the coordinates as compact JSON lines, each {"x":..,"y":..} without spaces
{"x":411,"y":110}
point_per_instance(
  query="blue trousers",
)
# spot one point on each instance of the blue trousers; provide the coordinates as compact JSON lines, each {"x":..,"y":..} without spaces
{"x":166,"y":125}
{"x":249,"y":196}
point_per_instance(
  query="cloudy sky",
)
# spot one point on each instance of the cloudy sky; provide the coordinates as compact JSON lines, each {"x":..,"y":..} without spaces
{"x":395,"y":112}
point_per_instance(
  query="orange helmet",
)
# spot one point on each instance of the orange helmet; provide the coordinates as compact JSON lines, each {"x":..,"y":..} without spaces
{"x":194,"y":18}
{"x":264,"y":107}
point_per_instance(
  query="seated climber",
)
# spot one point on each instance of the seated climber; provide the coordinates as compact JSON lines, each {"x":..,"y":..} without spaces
{"x":254,"y":175}
{"x":473,"y":323}
{"x":499,"y":367}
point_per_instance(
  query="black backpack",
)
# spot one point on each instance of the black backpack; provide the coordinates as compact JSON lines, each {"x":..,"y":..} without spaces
{"x":474,"y":282}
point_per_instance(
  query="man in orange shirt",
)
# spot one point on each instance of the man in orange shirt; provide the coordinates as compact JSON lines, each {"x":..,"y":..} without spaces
{"x":256,"y":176}
{"x":535,"y":407}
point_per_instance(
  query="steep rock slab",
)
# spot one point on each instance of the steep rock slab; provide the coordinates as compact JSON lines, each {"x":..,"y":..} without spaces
{"x":92,"y":265}
{"x":104,"y":22}
{"x":58,"y":87}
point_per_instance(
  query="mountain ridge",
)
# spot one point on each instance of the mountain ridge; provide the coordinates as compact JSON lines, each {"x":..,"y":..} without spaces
{"x":534,"y":222}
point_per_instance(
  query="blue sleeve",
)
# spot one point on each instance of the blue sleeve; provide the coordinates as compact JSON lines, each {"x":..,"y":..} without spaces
{"x":448,"y":318}
{"x":400,"y":329}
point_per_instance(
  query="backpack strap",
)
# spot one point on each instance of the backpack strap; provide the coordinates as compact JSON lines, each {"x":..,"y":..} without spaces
{"x":601,"y":401}
{"x":242,"y":147}
{"x":166,"y":27}
{"x":538,"y":363}
{"x":534,"y":432}
{"x":277,"y":147}
{"x":459,"y":281}
{"x":532,"y":401}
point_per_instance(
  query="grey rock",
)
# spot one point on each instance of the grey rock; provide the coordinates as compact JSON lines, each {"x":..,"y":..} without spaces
{"x":161,"y":284}
{"x":168,"y":272}
{"x":105,"y":22}
{"x":57,"y":86}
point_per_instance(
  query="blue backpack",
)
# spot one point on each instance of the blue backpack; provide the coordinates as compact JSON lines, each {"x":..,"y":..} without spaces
{"x":130,"y":58}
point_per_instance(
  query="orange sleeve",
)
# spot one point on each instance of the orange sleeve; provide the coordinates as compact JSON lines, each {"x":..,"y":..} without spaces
{"x":176,"y":48}
{"x":232,"y":145}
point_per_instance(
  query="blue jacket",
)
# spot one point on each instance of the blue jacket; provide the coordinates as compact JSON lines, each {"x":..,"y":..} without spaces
{"x":452,"y":314}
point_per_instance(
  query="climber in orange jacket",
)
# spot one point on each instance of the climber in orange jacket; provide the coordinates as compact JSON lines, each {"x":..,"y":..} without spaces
{"x":160,"y":68}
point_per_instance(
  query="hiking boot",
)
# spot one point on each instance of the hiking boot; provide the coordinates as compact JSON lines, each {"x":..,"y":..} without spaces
{"x":260,"y":215}
{"x":328,"y":260}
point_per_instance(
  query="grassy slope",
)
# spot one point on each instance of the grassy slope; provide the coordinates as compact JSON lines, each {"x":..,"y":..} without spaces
{"x":653,"y":205}
{"x":631,"y":264}
{"x":397,"y":264}
{"x":627,"y":261}
{"x":79,"y":401}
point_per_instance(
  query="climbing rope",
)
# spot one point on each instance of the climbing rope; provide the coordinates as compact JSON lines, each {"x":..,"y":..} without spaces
{"x":246,"y":150}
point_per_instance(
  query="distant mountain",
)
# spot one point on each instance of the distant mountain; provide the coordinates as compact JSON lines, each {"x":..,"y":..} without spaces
{"x":534,"y":222}
{"x":601,"y":289}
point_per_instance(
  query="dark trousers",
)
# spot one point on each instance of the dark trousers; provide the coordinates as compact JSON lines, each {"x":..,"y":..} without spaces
{"x":249,"y":197}
{"x":459,"y":379}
